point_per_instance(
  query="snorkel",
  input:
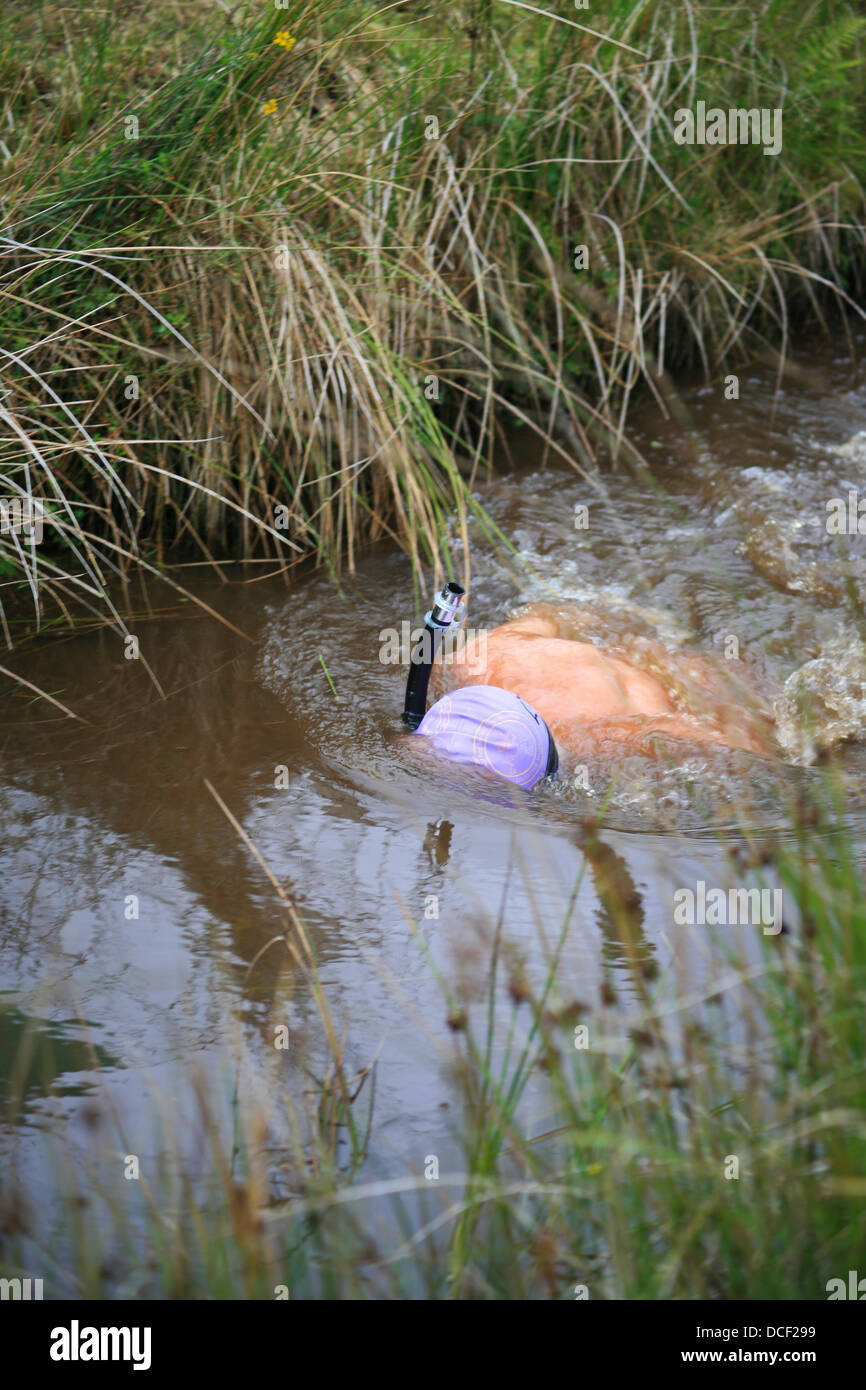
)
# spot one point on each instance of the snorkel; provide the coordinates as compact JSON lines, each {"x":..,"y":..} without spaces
{"x":481,"y":725}
{"x":446,"y":612}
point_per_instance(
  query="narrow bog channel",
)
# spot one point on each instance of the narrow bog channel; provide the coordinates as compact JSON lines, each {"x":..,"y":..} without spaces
{"x":135,"y":922}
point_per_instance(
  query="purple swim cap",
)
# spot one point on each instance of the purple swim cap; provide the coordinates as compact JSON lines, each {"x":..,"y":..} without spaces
{"x":494,"y":729}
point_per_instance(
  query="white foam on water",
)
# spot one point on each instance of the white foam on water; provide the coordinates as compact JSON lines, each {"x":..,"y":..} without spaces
{"x":853,"y":448}
{"x":823,"y":702}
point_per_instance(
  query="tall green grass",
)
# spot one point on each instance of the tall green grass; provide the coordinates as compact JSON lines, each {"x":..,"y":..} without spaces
{"x":302,"y":239}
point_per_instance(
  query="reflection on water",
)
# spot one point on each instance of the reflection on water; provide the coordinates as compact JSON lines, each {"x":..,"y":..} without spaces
{"x":129,"y":899}
{"x":48,"y":1057}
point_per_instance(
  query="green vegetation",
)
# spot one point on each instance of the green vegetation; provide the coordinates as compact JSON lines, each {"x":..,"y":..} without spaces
{"x":236,"y":270}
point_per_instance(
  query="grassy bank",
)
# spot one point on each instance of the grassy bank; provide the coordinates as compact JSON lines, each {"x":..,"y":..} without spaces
{"x":693,"y":1148}
{"x":272,"y":281}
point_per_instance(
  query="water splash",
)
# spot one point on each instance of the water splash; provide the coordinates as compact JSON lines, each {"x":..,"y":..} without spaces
{"x":823,"y":703}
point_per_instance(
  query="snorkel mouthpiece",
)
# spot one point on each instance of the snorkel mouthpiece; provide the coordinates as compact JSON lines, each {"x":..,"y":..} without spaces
{"x":446,"y":612}
{"x":447,"y":606}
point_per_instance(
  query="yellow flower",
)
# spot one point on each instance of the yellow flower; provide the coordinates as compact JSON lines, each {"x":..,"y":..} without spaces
{"x":594,"y":1169}
{"x":285,"y":40}
{"x":270,"y":107}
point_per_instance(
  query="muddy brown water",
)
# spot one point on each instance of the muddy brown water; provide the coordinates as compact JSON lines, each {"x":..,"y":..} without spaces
{"x":133,"y":920}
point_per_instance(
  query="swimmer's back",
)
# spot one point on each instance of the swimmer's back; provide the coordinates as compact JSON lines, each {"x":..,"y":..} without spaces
{"x":573,"y":684}
{"x":561,"y":679}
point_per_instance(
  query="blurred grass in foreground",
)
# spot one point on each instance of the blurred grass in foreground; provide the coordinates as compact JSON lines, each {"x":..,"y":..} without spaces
{"x":627,"y":1191}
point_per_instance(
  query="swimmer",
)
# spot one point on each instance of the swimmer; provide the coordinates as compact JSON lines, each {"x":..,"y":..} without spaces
{"x":516,"y":698}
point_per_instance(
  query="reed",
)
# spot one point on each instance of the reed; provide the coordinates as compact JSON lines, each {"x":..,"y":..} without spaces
{"x":296,"y":311}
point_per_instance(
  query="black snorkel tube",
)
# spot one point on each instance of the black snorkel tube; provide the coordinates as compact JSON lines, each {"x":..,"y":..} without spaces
{"x":443,"y":615}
